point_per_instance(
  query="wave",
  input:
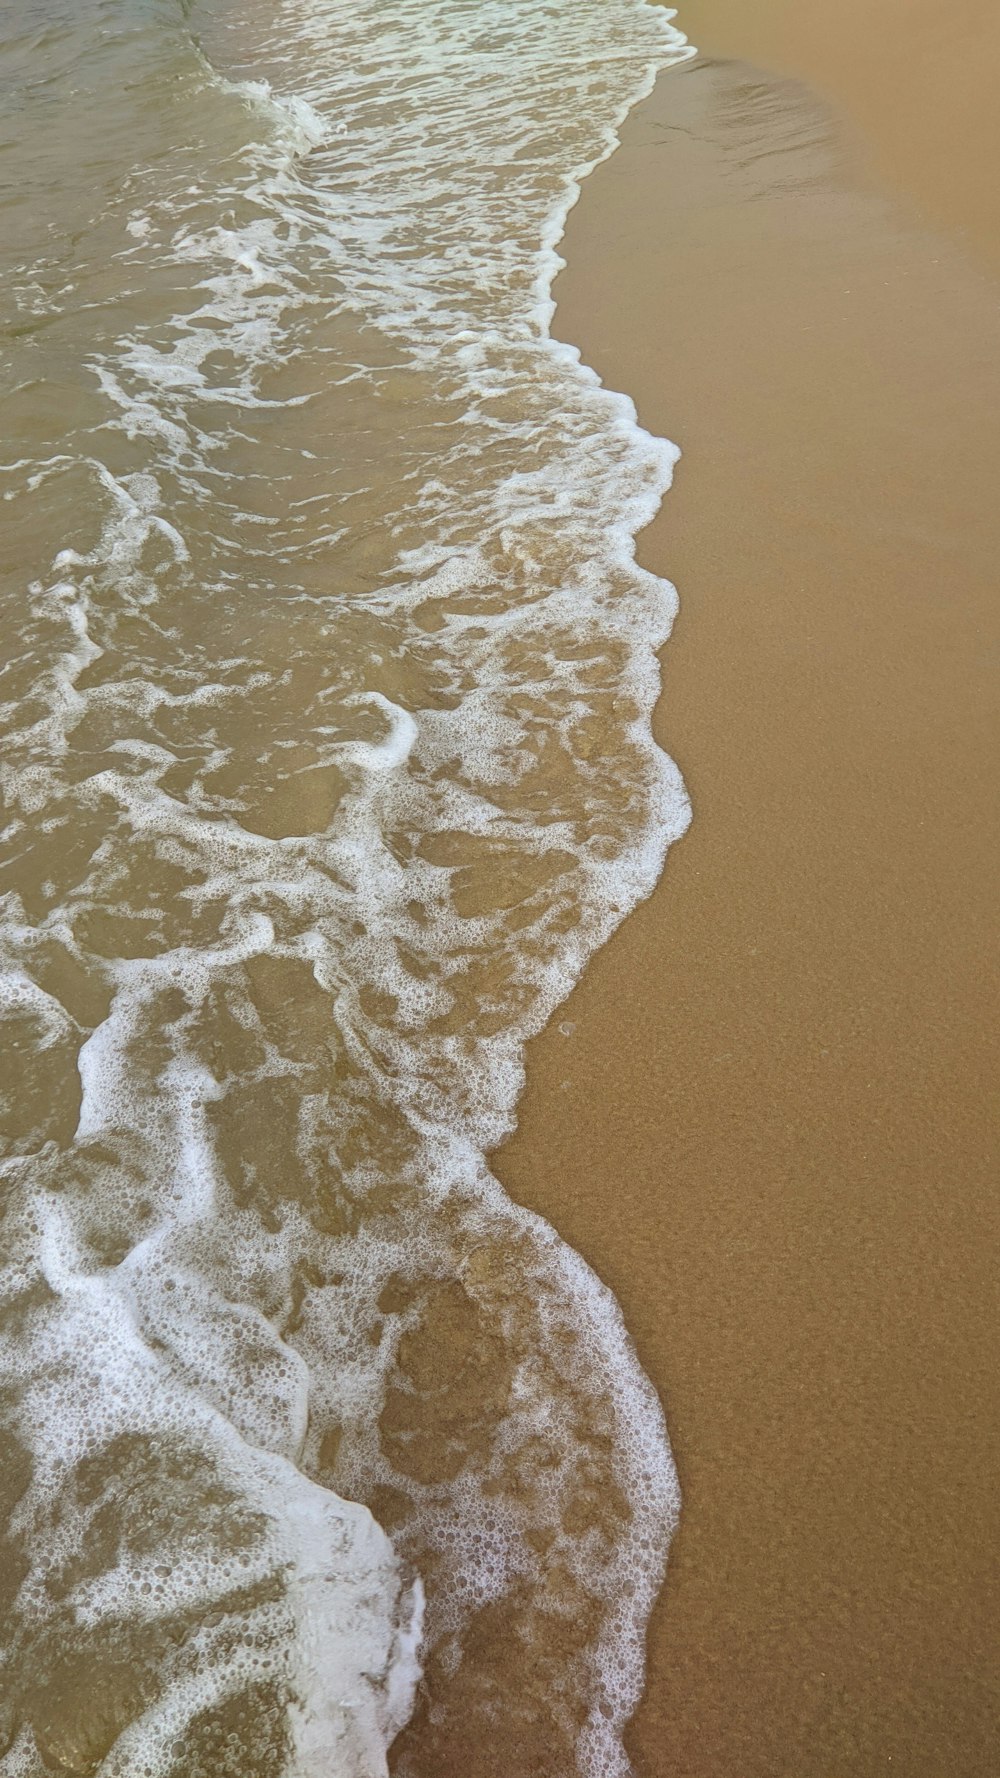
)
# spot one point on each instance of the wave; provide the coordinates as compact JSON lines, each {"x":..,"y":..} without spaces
{"x":327,"y":766}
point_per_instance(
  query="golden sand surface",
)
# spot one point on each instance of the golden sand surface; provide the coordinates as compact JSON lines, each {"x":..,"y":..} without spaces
{"x":918,"y":80}
{"x":767,"y":1115}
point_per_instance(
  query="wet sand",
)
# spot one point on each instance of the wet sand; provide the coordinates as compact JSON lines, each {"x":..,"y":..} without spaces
{"x":917,"y":80}
{"x":772,"y":1125}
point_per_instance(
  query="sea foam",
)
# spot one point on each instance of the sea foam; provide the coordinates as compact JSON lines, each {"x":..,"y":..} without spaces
{"x":328,"y":765}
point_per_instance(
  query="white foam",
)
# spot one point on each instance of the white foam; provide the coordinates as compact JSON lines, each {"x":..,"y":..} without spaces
{"x":299,"y":125}
{"x":207,"y":1305}
{"x":394,"y":750}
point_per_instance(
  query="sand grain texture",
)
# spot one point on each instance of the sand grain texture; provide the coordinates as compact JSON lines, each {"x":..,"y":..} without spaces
{"x":772,"y":1126}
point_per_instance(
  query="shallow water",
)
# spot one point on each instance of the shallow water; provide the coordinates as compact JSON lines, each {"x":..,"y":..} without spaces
{"x":327,"y":763}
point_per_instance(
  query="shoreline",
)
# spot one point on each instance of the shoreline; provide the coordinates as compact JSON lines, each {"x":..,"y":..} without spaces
{"x":769,"y":1129}
{"x":913,"y":86}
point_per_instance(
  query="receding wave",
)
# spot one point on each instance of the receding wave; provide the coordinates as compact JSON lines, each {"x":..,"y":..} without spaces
{"x":327,"y":764}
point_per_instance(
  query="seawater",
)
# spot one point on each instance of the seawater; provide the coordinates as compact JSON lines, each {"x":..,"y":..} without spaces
{"x":326,"y":692}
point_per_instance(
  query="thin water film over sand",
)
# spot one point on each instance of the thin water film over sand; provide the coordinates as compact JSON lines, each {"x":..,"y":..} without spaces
{"x":327,"y":763}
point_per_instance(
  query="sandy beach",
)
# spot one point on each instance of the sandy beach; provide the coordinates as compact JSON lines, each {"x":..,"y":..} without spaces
{"x":767,"y":1115}
{"x":328,"y":773}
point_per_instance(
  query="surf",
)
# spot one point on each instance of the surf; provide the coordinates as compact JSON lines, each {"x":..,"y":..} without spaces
{"x":327,"y":766}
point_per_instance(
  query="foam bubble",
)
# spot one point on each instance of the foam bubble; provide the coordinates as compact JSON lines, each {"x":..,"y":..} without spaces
{"x":330,"y":766}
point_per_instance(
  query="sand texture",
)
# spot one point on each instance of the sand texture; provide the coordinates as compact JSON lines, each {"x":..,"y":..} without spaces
{"x":771,"y":1125}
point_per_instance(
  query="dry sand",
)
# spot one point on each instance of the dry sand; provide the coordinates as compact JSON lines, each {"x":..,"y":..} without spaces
{"x":771,"y":1128}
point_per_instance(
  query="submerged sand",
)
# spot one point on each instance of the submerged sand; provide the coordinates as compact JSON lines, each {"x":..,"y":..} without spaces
{"x":771,"y":1126}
